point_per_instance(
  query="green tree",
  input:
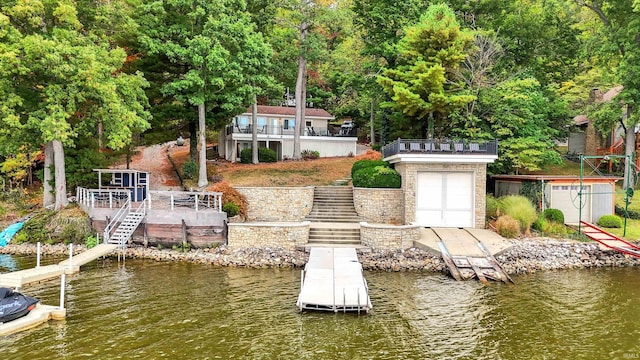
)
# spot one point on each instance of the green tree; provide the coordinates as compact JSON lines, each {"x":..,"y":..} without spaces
{"x":215,"y":43}
{"x":525,"y":119}
{"x":422,"y":85}
{"x":67,"y":81}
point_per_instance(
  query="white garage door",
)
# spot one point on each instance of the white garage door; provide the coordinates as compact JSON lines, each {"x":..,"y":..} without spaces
{"x":445,"y":199}
{"x":566,"y":199}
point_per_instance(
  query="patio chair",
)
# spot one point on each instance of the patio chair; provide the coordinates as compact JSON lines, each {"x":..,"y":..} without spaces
{"x":403,"y":147}
{"x":415,"y":147}
{"x":458,"y":147}
{"x":474,"y":147}
{"x":445,"y":147}
{"x":429,"y":146}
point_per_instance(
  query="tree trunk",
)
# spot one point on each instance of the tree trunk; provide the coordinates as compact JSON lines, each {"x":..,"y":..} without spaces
{"x":202,"y":147}
{"x":48,"y":196}
{"x":100,"y":134}
{"x":371,"y":119}
{"x":254,"y":130}
{"x":629,"y":150}
{"x":301,"y":90}
{"x":193,"y":140}
{"x":60,"y":175}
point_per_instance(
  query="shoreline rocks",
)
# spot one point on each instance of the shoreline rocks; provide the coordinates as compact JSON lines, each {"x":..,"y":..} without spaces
{"x":524,"y":257}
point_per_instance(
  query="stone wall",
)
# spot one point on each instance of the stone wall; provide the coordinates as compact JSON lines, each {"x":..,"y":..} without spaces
{"x":383,"y":206}
{"x":279,"y":204}
{"x":388,"y":237}
{"x":409,"y":174}
{"x":286,"y":236}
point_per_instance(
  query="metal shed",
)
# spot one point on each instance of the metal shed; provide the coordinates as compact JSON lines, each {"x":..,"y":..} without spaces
{"x":562,"y":192}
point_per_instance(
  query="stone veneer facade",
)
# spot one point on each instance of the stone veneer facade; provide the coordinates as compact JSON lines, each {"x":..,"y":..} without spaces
{"x":287,"y":236}
{"x":409,"y":173}
{"x":278,"y":203}
{"x":388,"y":237}
{"x":382,"y":206}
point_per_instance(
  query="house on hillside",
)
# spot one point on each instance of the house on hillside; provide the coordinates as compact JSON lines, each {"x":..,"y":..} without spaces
{"x":275,"y":128}
{"x":586,"y":140}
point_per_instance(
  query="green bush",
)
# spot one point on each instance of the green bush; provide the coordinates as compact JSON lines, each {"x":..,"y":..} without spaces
{"x":265,"y":155}
{"x":632,"y":214}
{"x":361,"y":164}
{"x":190,"y":169}
{"x":519,"y":208}
{"x":550,"y":228}
{"x":91,"y":242}
{"x":377,"y":177}
{"x":310,"y":154}
{"x":554,"y":215}
{"x":231,"y":209}
{"x":610,"y":221}
{"x":508,"y":226}
{"x":492,"y":207}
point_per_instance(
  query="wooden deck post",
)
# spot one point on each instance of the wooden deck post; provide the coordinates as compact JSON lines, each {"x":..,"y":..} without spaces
{"x":184,"y":233}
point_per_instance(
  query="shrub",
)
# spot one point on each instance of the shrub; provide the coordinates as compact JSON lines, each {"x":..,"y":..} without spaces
{"x":231,"y":209}
{"x":265,"y":155}
{"x":91,"y":242}
{"x":630,"y":214}
{"x":230,"y":195}
{"x":508,"y":226}
{"x":370,"y":155}
{"x":360,"y":164}
{"x":377,"y":177}
{"x":610,"y":221}
{"x":190,"y":169}
{"x":553,"y":215}
{"x":519,"y":208}
{"x":310,"y":154}
{"x":550,"y":228}
{"x":492,"y":207}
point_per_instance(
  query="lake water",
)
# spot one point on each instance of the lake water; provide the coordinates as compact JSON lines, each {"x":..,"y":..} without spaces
{"x":150,"y":310}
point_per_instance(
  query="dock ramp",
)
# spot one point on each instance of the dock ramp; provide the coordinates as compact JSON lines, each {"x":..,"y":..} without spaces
{"x":332,"y":280}
{"x":609,"y":241}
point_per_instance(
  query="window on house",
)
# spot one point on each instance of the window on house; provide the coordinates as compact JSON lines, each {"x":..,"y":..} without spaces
{"x":289,"y":124}
{"x":308,"y":123}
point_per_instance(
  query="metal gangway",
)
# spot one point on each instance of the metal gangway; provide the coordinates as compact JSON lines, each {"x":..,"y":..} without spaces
{"x":332,"y":280}
{"x":608,"y":240}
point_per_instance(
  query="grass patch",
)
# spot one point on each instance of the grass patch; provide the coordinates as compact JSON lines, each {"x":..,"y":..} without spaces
{"x":633,"y":230}
{"x":568,"y":167}
{"x":634,"y":203}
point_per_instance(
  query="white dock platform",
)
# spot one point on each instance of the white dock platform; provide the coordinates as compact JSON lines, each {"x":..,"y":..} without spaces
{"x":332,"y":280}
{"x":40,"y":315}
{"x":18,"y":279}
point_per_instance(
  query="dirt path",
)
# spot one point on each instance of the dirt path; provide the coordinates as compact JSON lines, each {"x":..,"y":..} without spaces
{"x":153,"y":159}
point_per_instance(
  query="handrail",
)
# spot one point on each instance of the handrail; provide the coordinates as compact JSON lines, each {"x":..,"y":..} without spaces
{"x":191,"y":199}
{"x":441,"y":146}
{"x":119,"y":216}
{"x":92,"y":198}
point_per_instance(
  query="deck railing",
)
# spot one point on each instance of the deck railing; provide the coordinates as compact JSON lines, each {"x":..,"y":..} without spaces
{"x":197,"y":200}
{"x":281,"y":130}
{"x":170,"y":200}
{"x":440,"y":146}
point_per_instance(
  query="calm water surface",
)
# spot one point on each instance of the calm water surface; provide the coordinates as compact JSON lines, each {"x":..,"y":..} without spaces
{"x":149,"y":310}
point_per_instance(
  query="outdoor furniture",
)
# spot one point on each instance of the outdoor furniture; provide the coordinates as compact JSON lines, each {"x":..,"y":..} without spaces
{"x":474,"y":147}
{"x":458,"y":147}
{"x":445,"y":147}
{"x":415,"y":147}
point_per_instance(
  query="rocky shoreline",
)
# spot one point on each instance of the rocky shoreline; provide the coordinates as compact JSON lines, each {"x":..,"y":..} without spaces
{"x":525,"y":256}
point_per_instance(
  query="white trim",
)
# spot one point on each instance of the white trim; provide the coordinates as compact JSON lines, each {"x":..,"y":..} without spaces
{"x":441,"y":158}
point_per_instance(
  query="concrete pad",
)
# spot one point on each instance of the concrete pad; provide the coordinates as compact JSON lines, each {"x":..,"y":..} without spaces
{"x":459,"y":242}
{"x":428,"y":241}
{"x":493,"y":242}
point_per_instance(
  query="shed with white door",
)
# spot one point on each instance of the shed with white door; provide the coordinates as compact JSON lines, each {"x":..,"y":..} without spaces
{"x":562,"y":192}
{"x":443,"y":186}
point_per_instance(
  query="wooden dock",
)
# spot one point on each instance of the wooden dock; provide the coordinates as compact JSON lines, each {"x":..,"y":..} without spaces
{"x":18,"y":279}
{"x":332,"y":280}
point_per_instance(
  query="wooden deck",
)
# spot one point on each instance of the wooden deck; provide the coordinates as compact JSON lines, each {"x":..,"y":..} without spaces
{"x":332,"y":281}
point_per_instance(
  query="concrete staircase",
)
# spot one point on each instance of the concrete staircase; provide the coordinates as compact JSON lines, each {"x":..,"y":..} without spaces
{"x":334,"y":221}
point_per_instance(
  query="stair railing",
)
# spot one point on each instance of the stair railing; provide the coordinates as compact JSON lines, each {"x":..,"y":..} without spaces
{"x":119,"y":216}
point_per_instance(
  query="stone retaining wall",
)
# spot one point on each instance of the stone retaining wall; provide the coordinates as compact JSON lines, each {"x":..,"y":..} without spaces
{"x":388,"y":237}
{"x":383,"y":206}
{"x":278,"y":203}
{"x":287,"y":236}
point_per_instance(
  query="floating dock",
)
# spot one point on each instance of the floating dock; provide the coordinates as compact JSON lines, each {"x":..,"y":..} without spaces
{"x":332,"y":280}
{"x":39,"y":315}
{"x":18,"y":279}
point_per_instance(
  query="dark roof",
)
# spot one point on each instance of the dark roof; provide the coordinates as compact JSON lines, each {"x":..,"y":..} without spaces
{"x":580,"y":120}
{"x":558,"y":178}
{"x":290,"y":111}
{"x":606,"y":97}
